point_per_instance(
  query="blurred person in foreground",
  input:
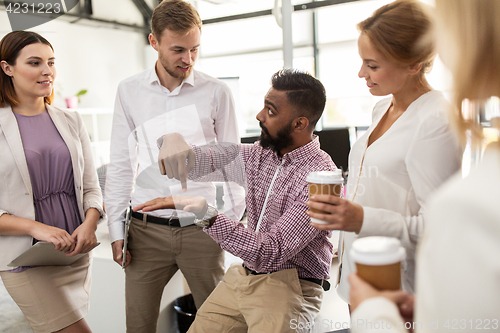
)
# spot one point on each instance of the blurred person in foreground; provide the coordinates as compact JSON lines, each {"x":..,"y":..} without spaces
{"x":457,"y":280}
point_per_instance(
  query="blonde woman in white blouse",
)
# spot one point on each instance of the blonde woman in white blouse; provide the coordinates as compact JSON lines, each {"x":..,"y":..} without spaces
{"x":458,"y":288}
{"x":408,"y":151}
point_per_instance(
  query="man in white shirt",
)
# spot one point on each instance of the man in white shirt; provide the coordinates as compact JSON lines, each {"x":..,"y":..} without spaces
{"x":172,"y":97}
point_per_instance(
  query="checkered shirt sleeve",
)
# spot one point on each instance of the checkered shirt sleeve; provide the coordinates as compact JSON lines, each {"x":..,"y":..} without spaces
{"x":285,"y":238}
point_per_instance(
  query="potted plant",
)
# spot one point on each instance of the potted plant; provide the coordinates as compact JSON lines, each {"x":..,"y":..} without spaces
{"x":72,"y":102}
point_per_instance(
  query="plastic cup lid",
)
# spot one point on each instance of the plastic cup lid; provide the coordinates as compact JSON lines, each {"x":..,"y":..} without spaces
{"x":325,"y":177}
{"x":377,"y":250}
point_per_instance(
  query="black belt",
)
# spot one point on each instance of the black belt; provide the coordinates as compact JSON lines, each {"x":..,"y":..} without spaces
{"x":322,"y":283}
{"x":172,"y":221}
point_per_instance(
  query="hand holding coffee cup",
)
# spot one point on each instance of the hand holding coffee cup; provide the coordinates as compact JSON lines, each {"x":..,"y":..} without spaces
{"x":324,"y":182}
{"x":378,"y":261}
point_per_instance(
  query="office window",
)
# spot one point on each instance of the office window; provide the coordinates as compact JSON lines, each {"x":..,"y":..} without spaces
{"x":249,"y":51}
{"x":249,"y":76}
{"x":241,"y":36}
{"x":349,"y":100}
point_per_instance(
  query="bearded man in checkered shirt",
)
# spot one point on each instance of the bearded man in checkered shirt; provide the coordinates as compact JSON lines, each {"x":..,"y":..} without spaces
{"x":286,"y":262}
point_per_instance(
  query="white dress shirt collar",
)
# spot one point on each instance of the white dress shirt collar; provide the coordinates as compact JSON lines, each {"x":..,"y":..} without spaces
{"x":153,"y":78}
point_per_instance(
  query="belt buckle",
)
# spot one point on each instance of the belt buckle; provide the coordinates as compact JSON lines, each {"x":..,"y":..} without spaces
{"x":174,"y":215}
{"x":325,"y":285}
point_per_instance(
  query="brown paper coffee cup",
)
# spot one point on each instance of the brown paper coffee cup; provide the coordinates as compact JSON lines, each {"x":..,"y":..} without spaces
{"x":324,"y":182}
{"x":382,"y":277}
{"x":378,"y":261}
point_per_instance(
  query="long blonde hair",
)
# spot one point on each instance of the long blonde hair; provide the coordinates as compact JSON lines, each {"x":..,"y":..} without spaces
{"x":469,"y":44}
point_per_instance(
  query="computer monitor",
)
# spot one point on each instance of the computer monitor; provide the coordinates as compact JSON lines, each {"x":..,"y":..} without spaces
{"x":249,"y":139}
{"x":336,"y":142}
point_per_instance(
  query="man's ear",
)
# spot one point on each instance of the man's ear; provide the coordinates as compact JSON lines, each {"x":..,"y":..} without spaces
{"x":300,"y":123}
{"x":7,"y":69}
{"x":153,"y":41}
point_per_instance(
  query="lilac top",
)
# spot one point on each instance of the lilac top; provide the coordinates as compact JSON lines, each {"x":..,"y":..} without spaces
{"x":51,"y":172}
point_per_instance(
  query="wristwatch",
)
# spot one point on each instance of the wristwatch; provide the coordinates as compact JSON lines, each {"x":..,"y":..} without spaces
{"x":208,"y":219}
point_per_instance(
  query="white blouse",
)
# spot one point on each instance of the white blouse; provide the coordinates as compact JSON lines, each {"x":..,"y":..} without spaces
{"x":393,"y":178}
{"x":457,"y":260}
